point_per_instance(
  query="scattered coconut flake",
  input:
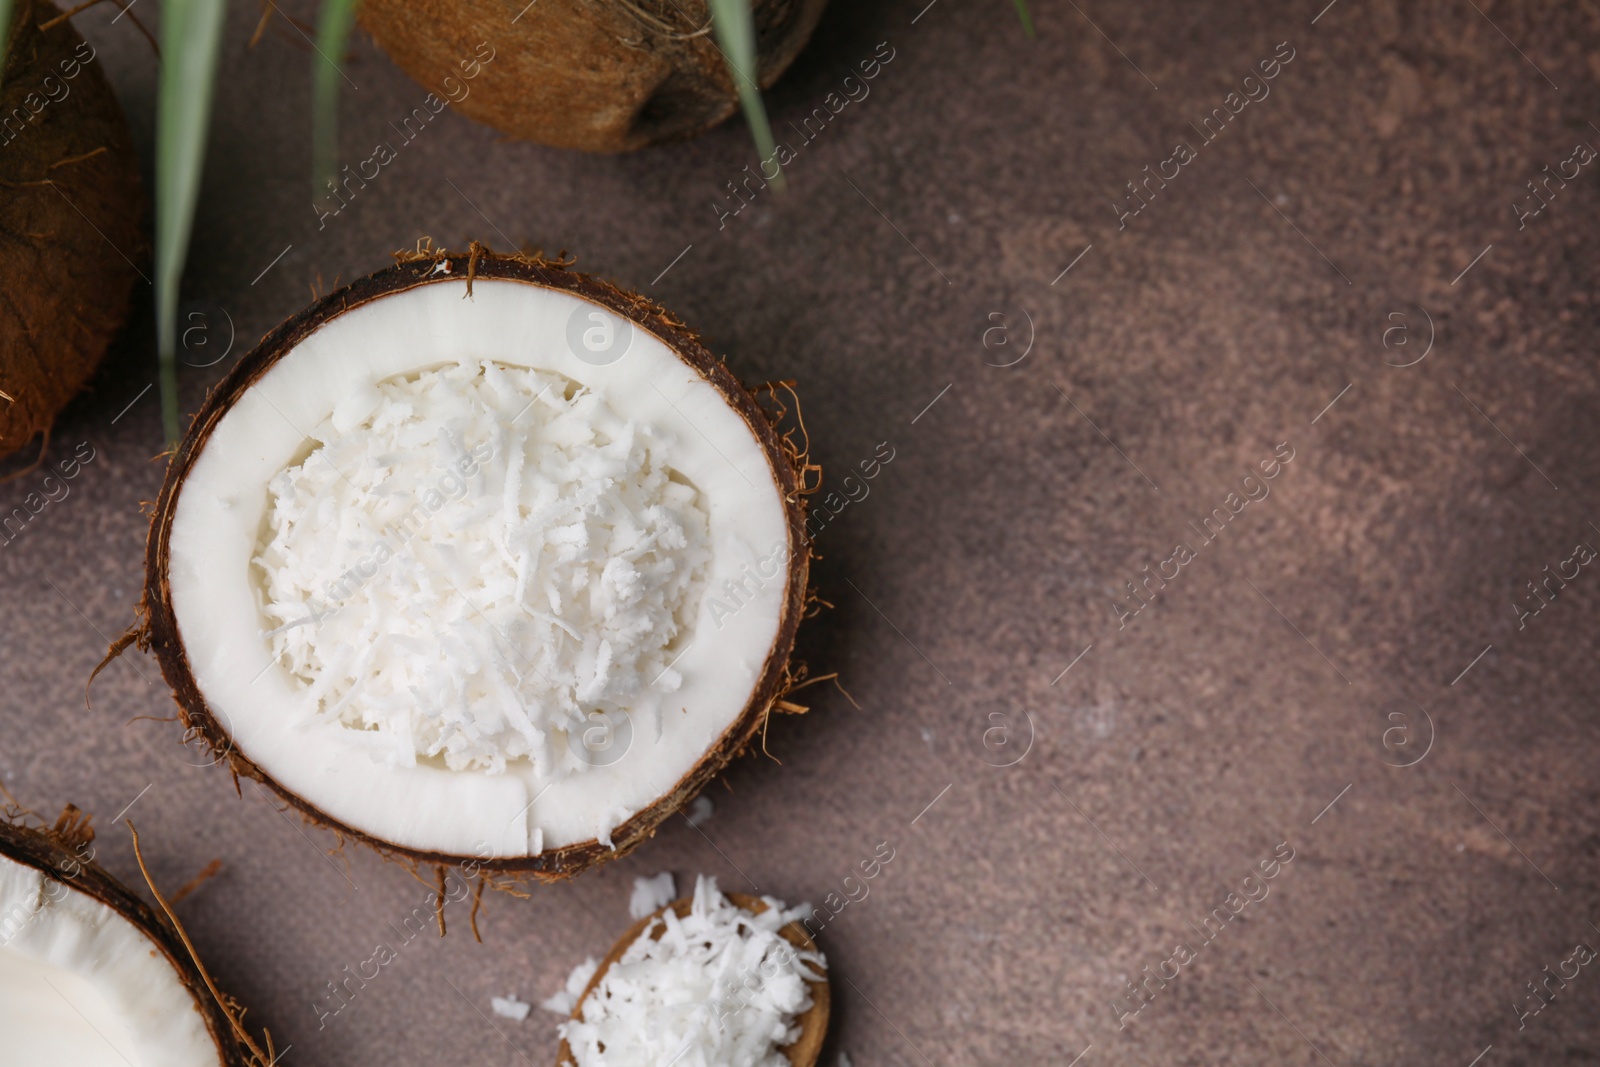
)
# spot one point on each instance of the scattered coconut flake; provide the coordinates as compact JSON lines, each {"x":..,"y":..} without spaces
{"x":700,"y":810}
{"x":563,"y":1002}
{"x":719,"y":987}
{"x":844,"y":1060}
{"x":652,"y":894}
{"x":474,"y":560}
{"x":510,"y":1007}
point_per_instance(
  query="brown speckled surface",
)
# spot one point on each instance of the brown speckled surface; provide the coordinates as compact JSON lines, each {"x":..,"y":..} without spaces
{"x":1174,"y":354}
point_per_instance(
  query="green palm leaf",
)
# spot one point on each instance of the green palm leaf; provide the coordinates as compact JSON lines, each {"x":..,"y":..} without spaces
{"x":191,"y":42}
{"x":736,"y":34}
{"x":1027,"y":19}
{"x":5,"y":35}
{"x":333,"y":33}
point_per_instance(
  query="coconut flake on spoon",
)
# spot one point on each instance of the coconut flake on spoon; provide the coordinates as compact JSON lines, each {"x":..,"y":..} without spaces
{"x":89,"y":974}
{"x":480,"y":557}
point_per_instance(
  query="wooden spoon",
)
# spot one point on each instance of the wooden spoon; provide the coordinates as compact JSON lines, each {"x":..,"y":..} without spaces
{"x":807,"y":1048}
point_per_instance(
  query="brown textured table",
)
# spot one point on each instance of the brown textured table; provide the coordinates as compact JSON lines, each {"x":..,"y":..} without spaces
{"x":1336,"y":627}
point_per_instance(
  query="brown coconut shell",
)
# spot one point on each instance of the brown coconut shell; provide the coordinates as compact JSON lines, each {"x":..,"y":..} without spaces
{"x":61,"y":854}
{"x":70,"y":205}
{"x":162,"y":633}
{"x":807,"y":1048}
{"x":597,"y":75}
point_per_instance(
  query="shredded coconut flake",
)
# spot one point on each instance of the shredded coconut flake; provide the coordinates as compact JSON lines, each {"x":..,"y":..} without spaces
{"x":476,"y":560}
{"x":652,"y":894}
{"x":510,"y":1007}
{"x":563,"y":1002}
{"x":717,"y":988}
{"x":700,"y":810}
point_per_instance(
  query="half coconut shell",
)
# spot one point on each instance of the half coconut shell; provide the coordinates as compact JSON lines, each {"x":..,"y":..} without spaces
{"x":60,"y":854}
{"x":806,"y":1049}
{"x":162,"y":631}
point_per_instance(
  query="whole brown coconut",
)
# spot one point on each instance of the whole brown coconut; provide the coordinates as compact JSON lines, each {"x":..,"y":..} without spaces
{"x":69,"y":221}
{"x":597,"y":75}
{"x":162,"y":630}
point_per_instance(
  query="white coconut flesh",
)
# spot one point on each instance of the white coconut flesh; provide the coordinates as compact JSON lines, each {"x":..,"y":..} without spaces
{"x":468,"y":593}
{"x":81,"y":985}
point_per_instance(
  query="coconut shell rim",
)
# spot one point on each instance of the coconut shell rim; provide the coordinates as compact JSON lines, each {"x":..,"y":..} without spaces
{"x":51,"y":852}
{"x":160,"y":631}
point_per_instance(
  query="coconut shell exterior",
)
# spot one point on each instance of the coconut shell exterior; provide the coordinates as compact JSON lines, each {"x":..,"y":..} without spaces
{"x":596,"y":75}
{"x":58,"y":853}
{"x":807,"y":1048}
{"x":161,"y":633}
{"x":70,"y":205}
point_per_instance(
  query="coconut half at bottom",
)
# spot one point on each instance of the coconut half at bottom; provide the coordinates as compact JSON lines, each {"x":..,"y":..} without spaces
{"x":89,"y":974}
{"x":429,"y":677}
{"x":804,"y":1051}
